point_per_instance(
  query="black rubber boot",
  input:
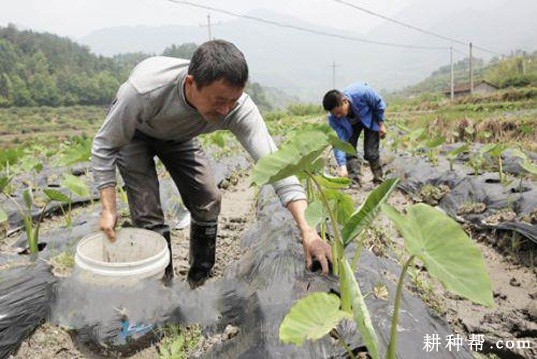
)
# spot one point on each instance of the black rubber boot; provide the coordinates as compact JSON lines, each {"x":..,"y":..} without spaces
{"x":168,"y":272}
{"x":202,"y":252}
{"x":378,"y":175}
{"x":354,"y":167}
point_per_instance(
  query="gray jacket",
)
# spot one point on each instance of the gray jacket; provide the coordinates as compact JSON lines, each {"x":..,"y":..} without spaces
{"x":152,"y":101}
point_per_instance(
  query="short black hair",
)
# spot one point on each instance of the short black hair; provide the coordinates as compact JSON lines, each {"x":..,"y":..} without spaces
{"x":218,"y":59}
{"x":332,"y":99}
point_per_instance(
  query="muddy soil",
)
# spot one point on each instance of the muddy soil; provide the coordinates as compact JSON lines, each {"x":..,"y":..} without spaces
{"x":513,"y":317}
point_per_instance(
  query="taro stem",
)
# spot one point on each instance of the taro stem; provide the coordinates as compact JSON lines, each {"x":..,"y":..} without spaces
{"x":399,"y":294}
{"x":337,"y":246}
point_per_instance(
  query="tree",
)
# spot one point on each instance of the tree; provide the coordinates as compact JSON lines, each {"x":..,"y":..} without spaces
{"x":44,"y":91}
{"x":8,"y":57}
{"x":6,"y":91}
{"x":21,"y":94}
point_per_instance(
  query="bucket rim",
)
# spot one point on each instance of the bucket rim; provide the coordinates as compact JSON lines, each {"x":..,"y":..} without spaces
{"x":120,"y":265}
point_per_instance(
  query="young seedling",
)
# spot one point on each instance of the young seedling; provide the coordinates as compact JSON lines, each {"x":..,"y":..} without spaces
{"x":432,"y":149}
{"x":495,"y":150}
{"x":453,"y":154}
{"x":31,"y":228}
{"x":527,"y":166}
{"x":77,"y":151}
{"x":77,"y":187}
{"x":476,"y":162}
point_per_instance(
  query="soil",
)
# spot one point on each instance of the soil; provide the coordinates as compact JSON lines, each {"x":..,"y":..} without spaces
{"x":512,"y":318}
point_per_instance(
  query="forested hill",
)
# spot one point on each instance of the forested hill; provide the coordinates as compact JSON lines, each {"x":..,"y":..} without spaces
{"x":517,"y":70}
{"x":41,"y":69}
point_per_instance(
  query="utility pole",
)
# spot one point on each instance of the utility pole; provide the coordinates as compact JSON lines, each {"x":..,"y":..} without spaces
{"x":471,"y":71}
{"x":452,"y":77}
{"x":333,"y":66}
{"x":209,"y":25}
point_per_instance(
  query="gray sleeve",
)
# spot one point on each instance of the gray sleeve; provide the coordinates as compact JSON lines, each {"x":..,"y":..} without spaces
{"x":248,"y":126}
{"x":116,"y":131}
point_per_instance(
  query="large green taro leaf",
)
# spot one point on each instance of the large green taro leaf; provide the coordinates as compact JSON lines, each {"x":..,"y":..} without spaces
{"x":448,"y":253}
{"x":312,"y":317}
{"x":297,"y":155}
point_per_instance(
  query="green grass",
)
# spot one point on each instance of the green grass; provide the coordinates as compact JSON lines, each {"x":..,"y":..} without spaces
{"x":44,"y":125}
{"x":179,"y":341}
{"x":63,"y":263}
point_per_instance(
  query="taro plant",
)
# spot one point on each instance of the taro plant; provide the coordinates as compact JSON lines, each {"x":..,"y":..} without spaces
{"x":398,"y":140}
{"x":77,"y":150}
{"x":430,"y":236}
{"x":301,"y":156}
{"x":469,"y":132}
{"x":529,"y":167}
{"x":476,"y":162}
{"x":219,"y":139}
{"x":453,"y":154}
{"x":31,"y":227}
{"x":413,"y":138}
{"x":526,"y":165}
{"x":9,"y":157}
{"x":78,"y":188}
{"x":446,"y":251}
{"x":432,"y":146}
{"x":495,"y":150}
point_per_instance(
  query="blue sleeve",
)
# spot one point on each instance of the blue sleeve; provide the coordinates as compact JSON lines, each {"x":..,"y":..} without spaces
{"x":376,"y":104}
{"x":341,"y":157}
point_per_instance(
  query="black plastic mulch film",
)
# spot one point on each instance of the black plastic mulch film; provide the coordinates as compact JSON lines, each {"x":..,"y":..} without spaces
{"x":467,"y":188}
{"x":254,"y":295}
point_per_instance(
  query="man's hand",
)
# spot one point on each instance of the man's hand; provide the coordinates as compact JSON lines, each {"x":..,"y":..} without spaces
{"x":107,"y":223}
{"x":382,"y":130}
{"x":108,"y":219}
{"x":316,"y":248}
{"x":342,"y":171}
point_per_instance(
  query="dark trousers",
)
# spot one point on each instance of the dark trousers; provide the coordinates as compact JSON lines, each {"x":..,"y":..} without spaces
{"x":371,"y":147}
{"x":189,"y":169}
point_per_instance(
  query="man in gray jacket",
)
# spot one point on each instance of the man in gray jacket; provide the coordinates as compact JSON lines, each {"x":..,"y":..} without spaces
{"x":159,"y":111}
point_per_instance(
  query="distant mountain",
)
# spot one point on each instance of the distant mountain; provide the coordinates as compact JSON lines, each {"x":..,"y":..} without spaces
{"x":45,"y":69}
{"x":299,"y":63}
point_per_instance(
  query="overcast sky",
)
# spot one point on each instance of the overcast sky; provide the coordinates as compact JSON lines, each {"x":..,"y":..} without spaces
{"x":76,"y":18}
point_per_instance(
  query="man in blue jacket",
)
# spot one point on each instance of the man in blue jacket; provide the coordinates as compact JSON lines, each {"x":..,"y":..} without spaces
{"x":358,"y":108}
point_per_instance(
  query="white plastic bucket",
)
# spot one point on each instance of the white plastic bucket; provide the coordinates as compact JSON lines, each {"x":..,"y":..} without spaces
{"x":136,"y":254}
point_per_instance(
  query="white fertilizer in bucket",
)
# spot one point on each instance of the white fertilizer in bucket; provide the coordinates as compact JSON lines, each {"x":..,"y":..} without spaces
{"x":136,"y":254}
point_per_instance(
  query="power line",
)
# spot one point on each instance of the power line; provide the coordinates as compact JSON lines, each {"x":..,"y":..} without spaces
{"x":412,"y":26}
{"x":304,"y":29}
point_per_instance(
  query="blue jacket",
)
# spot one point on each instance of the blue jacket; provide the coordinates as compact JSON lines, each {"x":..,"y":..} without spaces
{"x":367,"y":106}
